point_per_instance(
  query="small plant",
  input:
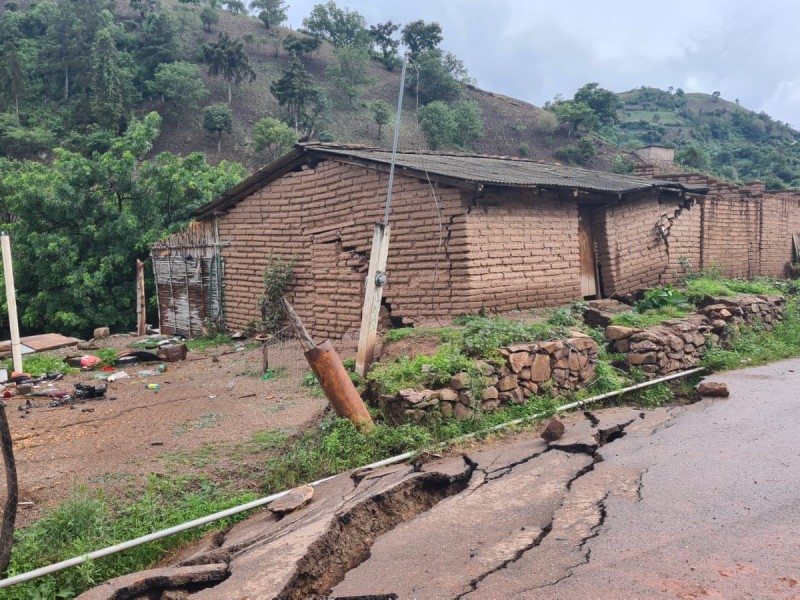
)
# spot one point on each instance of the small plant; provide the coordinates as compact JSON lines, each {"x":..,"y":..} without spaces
{"x":277,"y":278}
{"x":662,"y":297}
{"x":563,"y":317}
{"x":309,"y":379}
{"x":36,"y":364}
{"x":524,"y":149}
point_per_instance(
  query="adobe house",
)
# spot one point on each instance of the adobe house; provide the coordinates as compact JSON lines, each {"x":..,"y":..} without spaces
{"x":468,"y":233}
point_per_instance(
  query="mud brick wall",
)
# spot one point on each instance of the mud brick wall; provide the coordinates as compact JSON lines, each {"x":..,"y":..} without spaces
{"x":780,"y":219}
{"x":731,"y":233}
{"x":639,"y":242}
{"x":324,"y":217}
{"x":520,"y":251}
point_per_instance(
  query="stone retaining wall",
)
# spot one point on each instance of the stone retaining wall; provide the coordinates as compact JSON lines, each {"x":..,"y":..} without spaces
{"x":557,"y":365}
{"x":679,"y":344}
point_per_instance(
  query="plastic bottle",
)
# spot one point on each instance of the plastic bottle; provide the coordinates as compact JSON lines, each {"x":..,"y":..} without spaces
{"x":153,"y":386}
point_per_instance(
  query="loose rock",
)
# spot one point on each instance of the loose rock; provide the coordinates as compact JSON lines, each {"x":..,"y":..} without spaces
{"x":713,"y":388}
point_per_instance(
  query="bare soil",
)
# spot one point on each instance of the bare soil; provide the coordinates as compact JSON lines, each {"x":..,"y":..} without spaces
{"x":201,"y":421}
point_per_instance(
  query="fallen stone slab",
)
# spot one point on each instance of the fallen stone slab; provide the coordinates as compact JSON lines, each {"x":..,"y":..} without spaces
{"x":713,"y":388}
{"x":553,"y":430}
{"x":139,"y":585}
{"x":296,"y":498}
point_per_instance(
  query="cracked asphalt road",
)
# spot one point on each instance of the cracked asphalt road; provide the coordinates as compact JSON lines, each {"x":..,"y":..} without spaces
{"x":689,"y":502}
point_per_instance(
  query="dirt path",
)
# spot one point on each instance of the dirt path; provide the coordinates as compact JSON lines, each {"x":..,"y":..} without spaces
{"x":202,"y":420}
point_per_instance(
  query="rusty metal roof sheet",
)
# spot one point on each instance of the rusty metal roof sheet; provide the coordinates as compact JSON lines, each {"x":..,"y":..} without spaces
{"x":470,"y":169}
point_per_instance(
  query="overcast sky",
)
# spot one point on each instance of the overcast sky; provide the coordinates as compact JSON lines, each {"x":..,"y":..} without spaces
{"x":745,"y":49}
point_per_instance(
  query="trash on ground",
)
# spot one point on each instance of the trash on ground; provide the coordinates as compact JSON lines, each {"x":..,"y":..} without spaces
{"x":89,"y":391}
{"x":135,"y":357}
{"x":172,"y":352}
{"x":153,"y":386}
{"x":118,"y":375}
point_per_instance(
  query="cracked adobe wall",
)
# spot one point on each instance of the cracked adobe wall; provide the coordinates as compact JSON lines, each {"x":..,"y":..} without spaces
{"x":520,"y":250}
{"x":325,"y":217}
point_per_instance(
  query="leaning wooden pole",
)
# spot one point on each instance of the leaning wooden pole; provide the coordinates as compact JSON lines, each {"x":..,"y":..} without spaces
{"x":141,"y":310}
{"x":12,"y":493}
{"x":331,"y":374}
{"x":11,"y":300}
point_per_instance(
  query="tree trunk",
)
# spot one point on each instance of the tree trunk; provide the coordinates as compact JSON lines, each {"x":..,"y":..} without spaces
{"x":66,"y":82}
{"x":229,"y":93}
{"x":219,"y":142}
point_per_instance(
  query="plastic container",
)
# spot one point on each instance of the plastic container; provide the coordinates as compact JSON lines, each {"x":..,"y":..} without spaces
{"x":153,"y":386}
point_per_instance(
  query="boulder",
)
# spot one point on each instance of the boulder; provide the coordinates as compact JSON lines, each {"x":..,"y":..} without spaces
{"x":713,"y":388}
{"x":617,"y":332}
{"x":553,"y":430}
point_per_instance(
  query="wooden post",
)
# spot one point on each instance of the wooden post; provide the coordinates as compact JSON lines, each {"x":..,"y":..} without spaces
{"x":373,"y":295}
{"x":141,"y":309}
{"x":11,"y":300}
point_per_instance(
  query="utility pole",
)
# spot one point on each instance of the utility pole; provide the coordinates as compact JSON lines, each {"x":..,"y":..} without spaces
{"x":11,"y":299}
{"x":376,"y":275}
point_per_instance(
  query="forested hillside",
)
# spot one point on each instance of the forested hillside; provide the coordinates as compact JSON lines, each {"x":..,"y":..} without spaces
{"x":117,"y":119}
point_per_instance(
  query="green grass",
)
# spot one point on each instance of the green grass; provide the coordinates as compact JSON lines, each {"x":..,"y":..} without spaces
{"x":649,"y":318}
{"x":204,"y":421}
{"x":36,"y":364}
{"x":205,"y":343}
{"x":711,"y":284}
{"x":90,"y":521}
{"x":419,"y":371}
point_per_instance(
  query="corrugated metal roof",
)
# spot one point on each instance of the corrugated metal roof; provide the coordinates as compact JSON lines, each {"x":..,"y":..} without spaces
{"x":504,"y":171}
{"x":467,"y":168}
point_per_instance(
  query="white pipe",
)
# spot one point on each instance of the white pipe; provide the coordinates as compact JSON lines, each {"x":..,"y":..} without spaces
{"x":11,"y":299}
{"x":54,"y":568}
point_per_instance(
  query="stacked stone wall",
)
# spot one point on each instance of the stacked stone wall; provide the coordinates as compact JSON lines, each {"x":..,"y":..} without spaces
{"x":554,"y":366}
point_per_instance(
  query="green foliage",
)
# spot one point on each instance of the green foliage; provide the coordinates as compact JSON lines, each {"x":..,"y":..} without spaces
{"x":382,"y":36}
{"x":340,"y":26}
{"x":179,"y":85}
{"x":209,"y":16}
{"x":602,"y":102}
{"x":419,"y":36}
{"x":381,"y":113}
{"x":587,"y":149}
{"x":218,"y":119}
{"x":301,"y":45}
{"x":420,"y":371}
{"x":482,"y":336}
{"x":304,"y":103}
{"x":693,"y":156}
{"x":83,"y":222}
{"x":459,"y":125}
{"x":277,"y":278}
{"x":649,"y":318}
{"x":524,"y":149}
{"x":273,"y":137}
{"x":622,"y":165}
{"x":227,"y":58}
{"x":204,"y":343}
{"x":661,"y":297}
{"x":108,"y":102}
{"x":89,"y":522}
{"x":653,"y":396}
{"x":271,"y":12}
{"x":437,"y":75}
{"x":577,"y":115}
{"x":36,"y":364}
{"x":438,"y":123}
{"x":349,"y":74}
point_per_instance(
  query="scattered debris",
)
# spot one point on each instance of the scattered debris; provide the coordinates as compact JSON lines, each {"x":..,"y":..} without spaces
{"x":172,"y":352}
{"x":135,"y":357}
{"x":296,"y":498}
{"x":553,"y":430}
{"x":89,"y":391}
{"x":88,"y":345}
{"x":713,"y":388}
{"x":118,"y":375}
{"x":153,"y":386}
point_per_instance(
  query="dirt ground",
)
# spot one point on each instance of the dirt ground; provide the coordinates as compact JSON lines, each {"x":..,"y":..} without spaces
{"x":201,"y":420}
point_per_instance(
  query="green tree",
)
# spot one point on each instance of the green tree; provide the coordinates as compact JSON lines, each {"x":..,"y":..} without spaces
{"x":715,"y":96}
{"x":237,"y":7}
{"x":349,"y":74}
{"x":145,"y":7}
{"x":577,"y":114}
{"x":159,"y":42}
{"x":437,"y":123}
{"x":603,"y":102}
{"x":271,"y":12}
{"x":108,"y":103}
{"x":12,"y":78}
{"x":179,"y":84}
{"x":381,"y":113}
{"x":218,"y":119}
{"x":438,"y":76}
{"x":78,"y":224}
{"x":340,"y":26}
{"x":273,"y":137}
{"x":419,"y":36}
{"x":301,"y":45}
{"x":587,"y":149}
{"x":228,"y":58}
{"x":209,"y":16}
{"x":382,"y":35}
{"x":468,"y":119}
{"x":303,"y":102}
{"x":693,"y":156}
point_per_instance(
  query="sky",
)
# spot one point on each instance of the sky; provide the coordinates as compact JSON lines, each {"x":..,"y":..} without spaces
{"x":533,"y":50}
